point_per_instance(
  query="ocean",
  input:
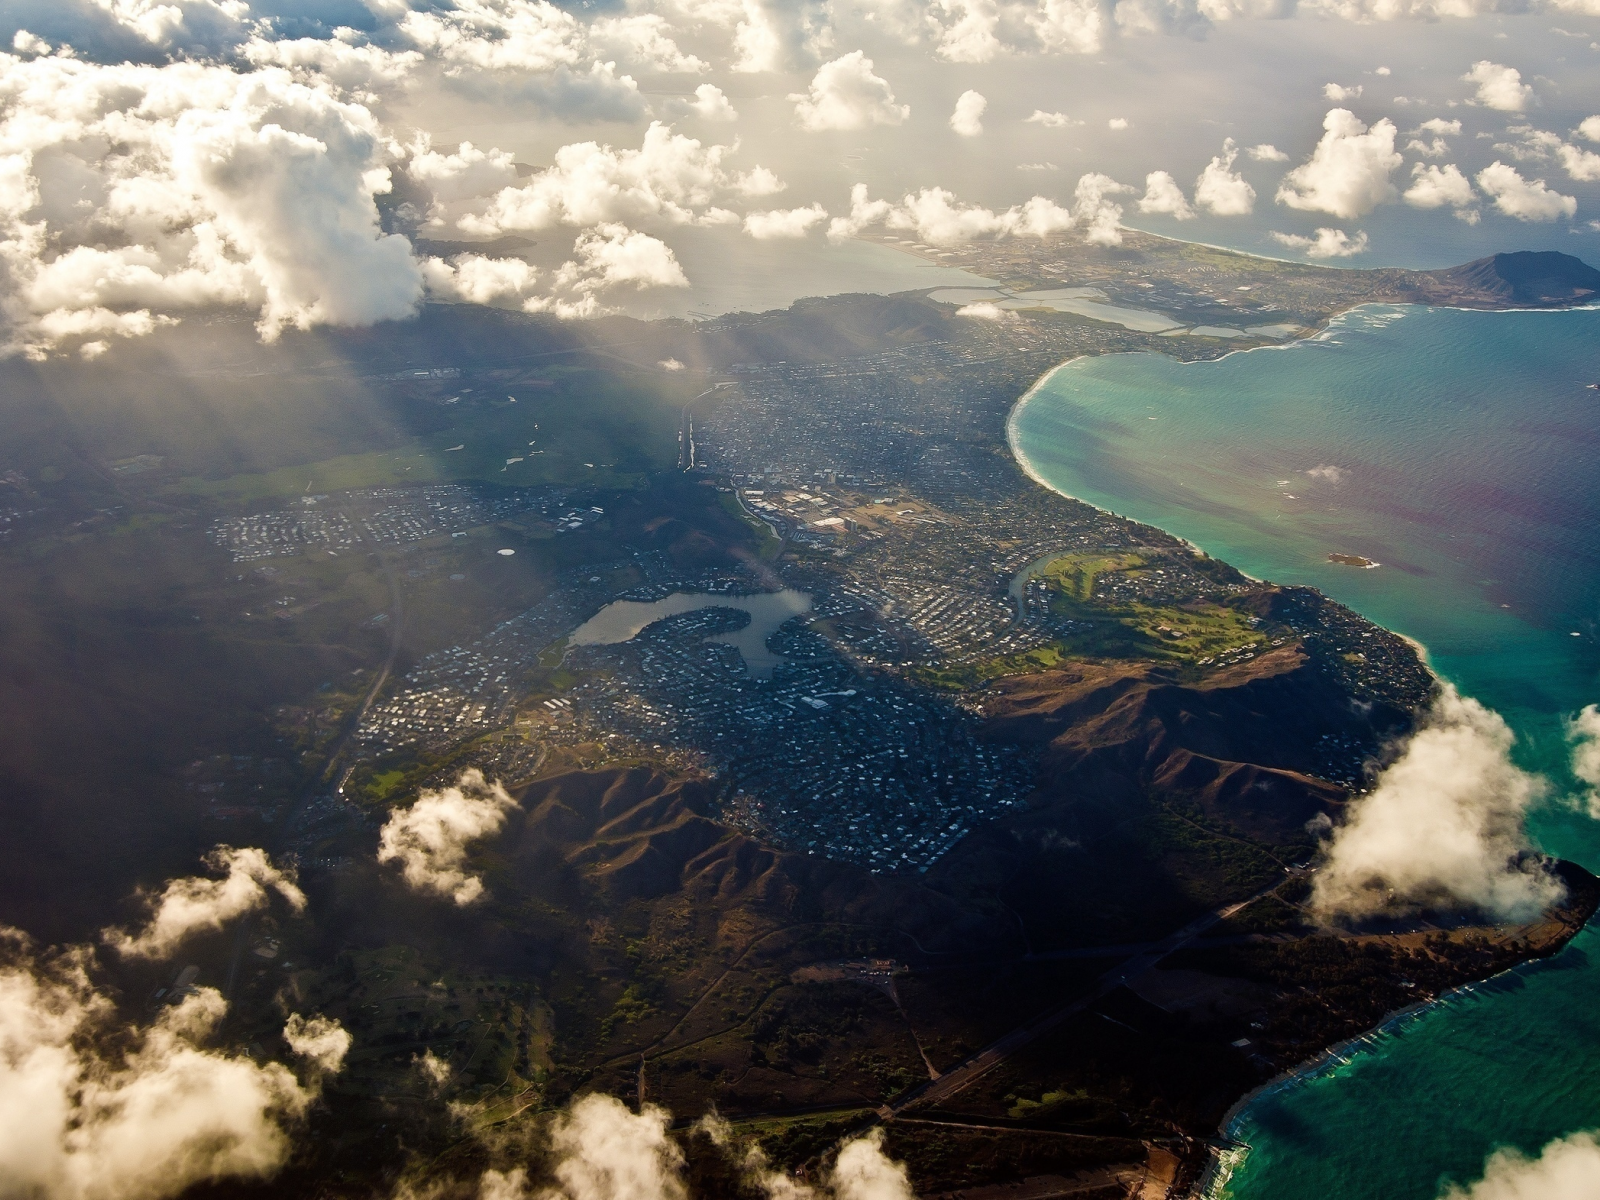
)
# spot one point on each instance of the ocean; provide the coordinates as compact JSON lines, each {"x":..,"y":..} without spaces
{"x":1460,"y":451}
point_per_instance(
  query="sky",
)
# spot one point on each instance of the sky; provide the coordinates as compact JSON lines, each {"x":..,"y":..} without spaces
{"x":300,"y":160}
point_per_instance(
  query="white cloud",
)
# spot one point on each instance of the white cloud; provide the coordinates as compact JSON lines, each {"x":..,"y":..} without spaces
{"x":468,"y":172}
{"x":1443,"y":825}
{"x":24,"y":42}
{"x":938,"y":218}
{"x":776,"y":35}
{"x":147,"y":1118}
{"x":784,"y":222}
{"x":710,"y":104}
{"x":1438,"y":147}
{"x":363,"y":68}
{"x":475,"y":279}
{"x":1439,"y":187}
{"x":1117,"y":124}
{"x":987,"y":310}
{"x":1100,"y":216}
{"x":604,"y":1152}
{"x":1051,"y":120}
{"x":845,"y":94}
{"x":1266,"y":152}
{"x":1499,"y":87}
{"x":967,"y":119}
{"x":758,"y":181}
{"x":198,"y":25}
{"x":1589,"y":129}
{"x":194,"y":904}
{"x":1526,"y":200}
{"x":204,"y":186}
{"x":644,"y":40}
{"x":1582,"y":165}
{"x":499,"y":35}
{"x":863,"y":1172}
{"x":1339,"y":94}
{"x":321,"y":1040}
{"x":1566,"y":1169}
{"x":1348,"y":173}
{"x":1584,"y":733}
{"x":1163,"y":195}
{"x":670,"y":177}
{"x":1328,"y":473}
{"x":1221,"y":190}
{"x":1327,"y":243}
{"x":970,"y":37}
{"x":430,"y":838}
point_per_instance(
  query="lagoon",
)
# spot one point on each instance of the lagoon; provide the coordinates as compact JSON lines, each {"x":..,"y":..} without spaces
{"x":624,"y":620}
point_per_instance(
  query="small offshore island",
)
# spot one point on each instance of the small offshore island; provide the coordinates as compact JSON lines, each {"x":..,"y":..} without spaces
{"x":1006,"y":850}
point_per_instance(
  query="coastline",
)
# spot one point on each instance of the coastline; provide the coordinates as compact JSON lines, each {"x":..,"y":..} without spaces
{"x":1223,"y":1160}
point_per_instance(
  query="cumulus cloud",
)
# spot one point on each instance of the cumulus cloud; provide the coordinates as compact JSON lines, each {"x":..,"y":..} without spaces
{"x":320,"y":1040}
{"x":784,"y":222}
{"x":196,"y":903}
{"x":1582,"y":165}
{"x":710,"y":104}
{"x":776,"y":35}
{"x":1339,"y":94}
{"x":1498,"y":87}
{"x":670,"y":177}
{"x":1439,"y":187}
{"x":1442,"y":826}
{"x":1051,"y":120}
{"x":464,"y":174}
{"x":846,"y":94}
{"x":143,"y":1121}
{"x":1221,"y":190}
{"x":644,"y":40}
{"x":1438,"y":147}
{"x":1566,"y":1169}
{"x":758,"y":181}
{"x":937,"y":217}
{"x":1589,"y":129}
{"x":1093,"y":208}
{"x":612,"y":255}
{"x":430,"y":838}
{"x":1266,"y":152}
{"x":1524,"y":199}
{"x":475,"y":279}
{"x":1348,"y":173}
{"x":1328,"y":473}
{"x":605,"y":1151}
{"x":203,"y":186}
{"x":986,"y":310}
{"x":864,"y":1172}
{"x":1163,"y":195}
{"x":1583,"y":731}
{"x":967,"y":119}
{"x":1325,"y":243}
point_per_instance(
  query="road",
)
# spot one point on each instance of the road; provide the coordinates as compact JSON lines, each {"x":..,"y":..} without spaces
{"x":336,"y":751}
{"x":965,"y":1073}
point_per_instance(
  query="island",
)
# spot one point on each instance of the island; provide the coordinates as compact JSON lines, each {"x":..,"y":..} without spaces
{"x":996,"y":836}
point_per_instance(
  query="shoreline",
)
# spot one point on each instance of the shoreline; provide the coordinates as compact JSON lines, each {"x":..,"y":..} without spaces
{"x":1223,"y":1161}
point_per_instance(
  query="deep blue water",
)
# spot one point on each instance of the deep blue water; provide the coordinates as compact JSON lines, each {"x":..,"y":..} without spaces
{"x":1461,"y":451}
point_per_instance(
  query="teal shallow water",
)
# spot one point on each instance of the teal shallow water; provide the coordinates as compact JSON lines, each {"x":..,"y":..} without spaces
{"x":1461,"y":451}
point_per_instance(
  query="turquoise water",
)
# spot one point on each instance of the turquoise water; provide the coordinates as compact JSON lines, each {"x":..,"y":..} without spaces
{"x":1460,"y":451}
